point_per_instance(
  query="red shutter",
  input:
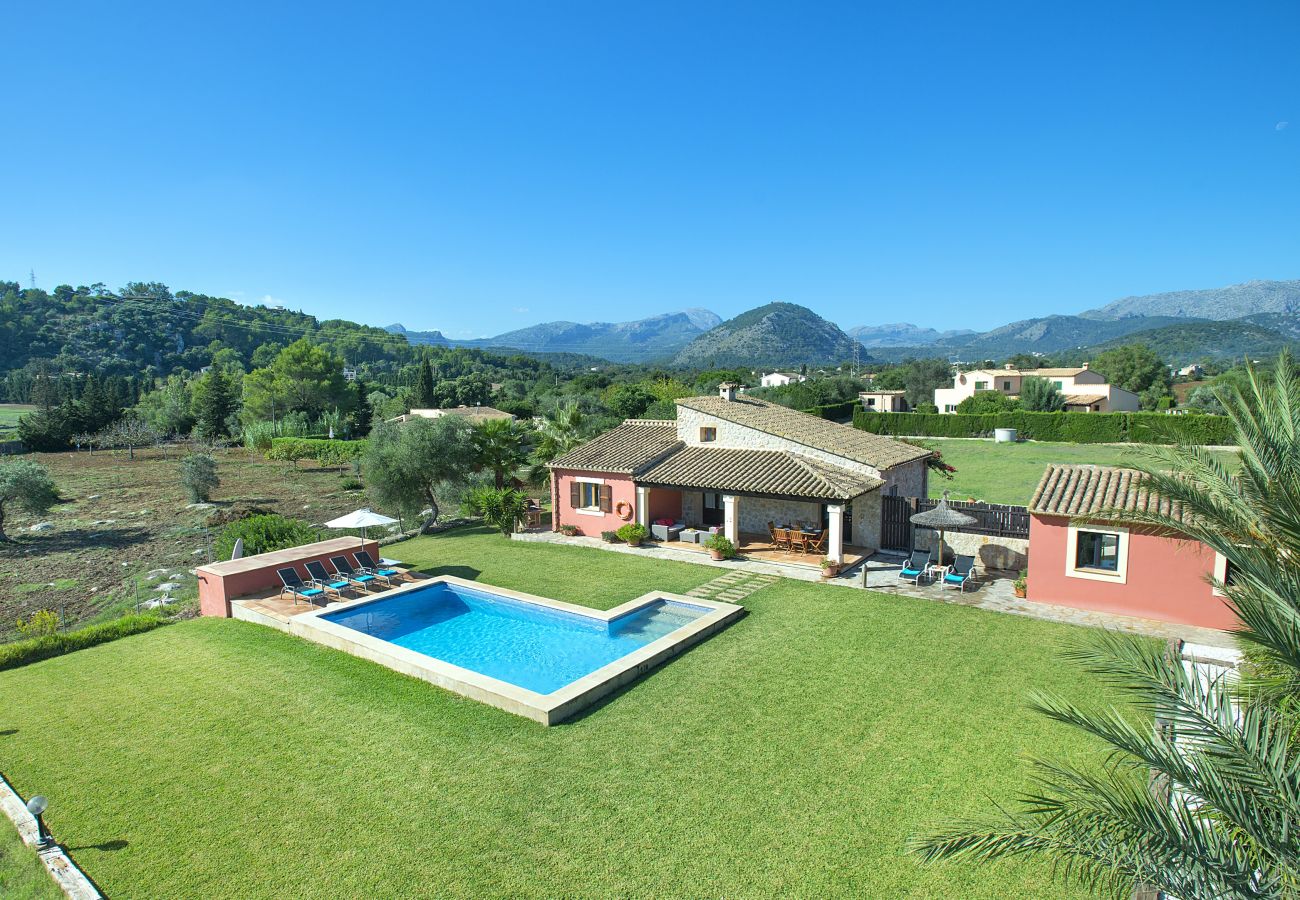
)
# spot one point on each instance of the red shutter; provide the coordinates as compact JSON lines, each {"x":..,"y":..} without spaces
{"x":575,"y":494}
{"x":606,"y":498}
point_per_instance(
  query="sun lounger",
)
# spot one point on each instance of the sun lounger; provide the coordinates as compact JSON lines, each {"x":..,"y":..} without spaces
{"x":960,"y":573}
{"x":293,"y":583}
{"x":916,"y":566}
{"x":322,"y":579}
{"x":348,"y":571}
{"x":367,"y":566}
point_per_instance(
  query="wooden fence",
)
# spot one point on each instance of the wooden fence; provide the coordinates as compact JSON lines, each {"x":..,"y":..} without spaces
{"x":994,"y":519}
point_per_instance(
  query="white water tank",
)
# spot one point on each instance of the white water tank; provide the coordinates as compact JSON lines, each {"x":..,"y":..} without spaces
{"x":1004,"y":435}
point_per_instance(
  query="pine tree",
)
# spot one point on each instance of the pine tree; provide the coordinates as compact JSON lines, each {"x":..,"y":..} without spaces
{"x":213,"y":403}
{"x":424,"y":398}
{"x":361,"y":419}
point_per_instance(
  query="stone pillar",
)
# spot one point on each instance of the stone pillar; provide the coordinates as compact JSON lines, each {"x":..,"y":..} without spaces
{"x":643,"y":506}
{"x":731,"y":518}
{"x":835,"y":532}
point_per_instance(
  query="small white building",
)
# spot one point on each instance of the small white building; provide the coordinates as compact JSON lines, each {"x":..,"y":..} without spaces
{"x":781,"y":379}
{"x":1084,"y":389}
{"x":883,"y":401}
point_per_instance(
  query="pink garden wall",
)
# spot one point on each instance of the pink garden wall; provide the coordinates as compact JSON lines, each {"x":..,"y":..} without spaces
{"x":1165,"y":579}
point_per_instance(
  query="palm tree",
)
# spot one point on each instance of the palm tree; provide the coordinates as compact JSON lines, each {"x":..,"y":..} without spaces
{"x":501,"y":446}
{"x":559,"y":431}
{"x":1207,"y":803}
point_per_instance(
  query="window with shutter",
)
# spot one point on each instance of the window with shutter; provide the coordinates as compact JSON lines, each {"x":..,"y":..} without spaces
{"x":575,"y":494}
{"x":606,"y":498}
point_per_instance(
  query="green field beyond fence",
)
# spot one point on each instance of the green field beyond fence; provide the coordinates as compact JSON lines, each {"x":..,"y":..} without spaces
{"x":1077,"y":428}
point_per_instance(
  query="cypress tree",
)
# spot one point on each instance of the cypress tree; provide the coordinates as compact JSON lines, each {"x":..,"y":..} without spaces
{"x":362,"y":417}
{"x":424,"y":386}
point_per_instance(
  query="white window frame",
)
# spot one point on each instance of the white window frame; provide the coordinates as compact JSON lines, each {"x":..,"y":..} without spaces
{"x":1072,"y":570}
{"x":590,"y":510}
{"x":1220,"y":573}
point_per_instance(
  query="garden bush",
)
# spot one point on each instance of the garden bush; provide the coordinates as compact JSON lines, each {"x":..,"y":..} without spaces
{"x":633,"y":533}
{"x":836,"y":412}
{"x":262,"y":534}
{"x":1079,"y":428}
{"x":199,"y":476}
{"x":326,"y":451}
{"x":20,"y":653}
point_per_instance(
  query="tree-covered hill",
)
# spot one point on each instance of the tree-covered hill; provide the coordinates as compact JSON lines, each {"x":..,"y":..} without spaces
{"x":778,"y":334}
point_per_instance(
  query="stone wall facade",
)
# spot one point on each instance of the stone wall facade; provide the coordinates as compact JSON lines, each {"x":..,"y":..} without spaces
{"x":1000,"y":553}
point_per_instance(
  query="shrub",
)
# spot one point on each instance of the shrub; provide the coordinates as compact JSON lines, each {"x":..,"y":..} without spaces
{"x":502,"y":508}
{"x":39,"y":624}
{"x":722,"y":545}
{"x":25,"y":484}
{"x":20,"y":653}
{"x":633,"y":533}
{"x":263,"y":534}
{"x":609,"y":537}
{"x":199,"y":476}
{"x":836,"y":412}
{"x":569,"y":530}
{"x":1083,"y":428}
{"x":925,"y":406}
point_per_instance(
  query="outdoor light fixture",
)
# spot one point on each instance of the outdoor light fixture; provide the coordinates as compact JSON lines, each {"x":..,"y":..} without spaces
{"x":37,"y":806}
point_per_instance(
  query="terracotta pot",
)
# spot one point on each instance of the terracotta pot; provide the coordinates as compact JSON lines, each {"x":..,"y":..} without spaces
{"x":716,"y":554}
{"x":1020,"y":592}
{"x":636,"y":543}
{"x":830,"y":571}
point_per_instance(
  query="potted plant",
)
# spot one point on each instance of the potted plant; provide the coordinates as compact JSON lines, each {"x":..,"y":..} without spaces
{"x":719,"y":547}
{"x":830,"y":567}
{"x":569,"y":530}
{"x":633,"y":533}
{"x":1021,"y":584}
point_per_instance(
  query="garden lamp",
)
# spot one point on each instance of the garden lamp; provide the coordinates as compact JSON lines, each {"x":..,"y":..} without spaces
{"x":37,"y":806}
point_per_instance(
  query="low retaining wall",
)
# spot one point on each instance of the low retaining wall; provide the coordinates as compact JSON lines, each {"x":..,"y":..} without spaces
{"x":70,"y":879}
{"x":1003,"y":553}
{"x":221,"y":582}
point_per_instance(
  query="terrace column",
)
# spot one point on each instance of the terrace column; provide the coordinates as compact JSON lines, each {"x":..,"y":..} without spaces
{"x":643,"y":506}
{"x":731,"y":519}
{"x":835,"y":532}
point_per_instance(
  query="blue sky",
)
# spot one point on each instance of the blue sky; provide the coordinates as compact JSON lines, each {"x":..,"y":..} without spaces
{"x":476,"y":167}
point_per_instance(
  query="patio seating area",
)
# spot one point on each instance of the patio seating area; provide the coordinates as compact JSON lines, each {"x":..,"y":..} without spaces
{"x":762,"y":547}
{"x":280,"y":606}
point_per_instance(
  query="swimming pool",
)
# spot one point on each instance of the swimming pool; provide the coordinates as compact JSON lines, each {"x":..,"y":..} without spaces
{"x":531,"y":655}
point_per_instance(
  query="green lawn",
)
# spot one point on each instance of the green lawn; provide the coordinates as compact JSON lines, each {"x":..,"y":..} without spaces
{"x":22,"y":874}
{"x":1008,"y":473}
{"x":10,"y":413}
{"x":792,"y":754}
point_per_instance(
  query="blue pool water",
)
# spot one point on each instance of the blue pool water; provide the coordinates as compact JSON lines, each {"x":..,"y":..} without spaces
{"x":528,"y":645}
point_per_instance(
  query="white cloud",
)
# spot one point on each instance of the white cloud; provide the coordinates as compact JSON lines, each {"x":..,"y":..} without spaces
{"x":268,"y":300}
{"x":1281,"y":126}
{"x":520,"y":309}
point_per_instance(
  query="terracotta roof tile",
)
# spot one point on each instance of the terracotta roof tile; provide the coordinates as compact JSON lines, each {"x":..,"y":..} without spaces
{"x":759,"y":472}
{"x":846,"y":441}
{"x":625,"y":449}
{"x":1085,"y":491}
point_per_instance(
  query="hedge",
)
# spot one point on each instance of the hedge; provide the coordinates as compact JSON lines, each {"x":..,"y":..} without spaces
{"x":834,"y":411}
{"x":20,"y":653}
{"x":1078,"y":428}
{"x":326,"y":451}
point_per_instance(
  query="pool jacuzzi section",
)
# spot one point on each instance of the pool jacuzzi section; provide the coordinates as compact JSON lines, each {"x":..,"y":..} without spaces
{"x":532,"y":656}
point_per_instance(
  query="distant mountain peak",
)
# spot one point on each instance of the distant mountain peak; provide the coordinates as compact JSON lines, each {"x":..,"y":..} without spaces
{"x":1232,"y":302}
{"x":775,"y":334}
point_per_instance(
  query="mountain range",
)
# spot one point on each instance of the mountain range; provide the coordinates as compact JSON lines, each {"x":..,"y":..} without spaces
{"x":1251,"y":319}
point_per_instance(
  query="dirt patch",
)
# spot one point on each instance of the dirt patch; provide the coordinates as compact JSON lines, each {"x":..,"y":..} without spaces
{"x":121,"y":519}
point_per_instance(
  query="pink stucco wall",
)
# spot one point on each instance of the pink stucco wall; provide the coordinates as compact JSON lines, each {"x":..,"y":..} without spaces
{"x":1166,"y":578}
{"x":621,"y":488}
{"x":665,"y":504}
{"x":221,"y":582}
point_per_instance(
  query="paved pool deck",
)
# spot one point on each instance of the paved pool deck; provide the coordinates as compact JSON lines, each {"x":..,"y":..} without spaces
{"x":880,"y":573}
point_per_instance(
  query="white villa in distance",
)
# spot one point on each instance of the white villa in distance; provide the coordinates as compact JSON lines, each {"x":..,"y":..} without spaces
{"x":1084,"y":390}
{"x":781,"y":379}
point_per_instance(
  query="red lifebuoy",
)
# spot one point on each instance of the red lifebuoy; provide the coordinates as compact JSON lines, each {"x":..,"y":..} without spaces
{"x":623,"y":510}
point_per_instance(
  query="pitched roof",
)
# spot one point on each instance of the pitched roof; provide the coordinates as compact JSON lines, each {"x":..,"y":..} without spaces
{"x":757,"y":472}
{"x":1082,"y":399}
{"x":1086,"y":491}
{"x":1041,"y":373}
{"x":625,"y":449}
{"x":473,"y":413}
{"x":811,"y":431}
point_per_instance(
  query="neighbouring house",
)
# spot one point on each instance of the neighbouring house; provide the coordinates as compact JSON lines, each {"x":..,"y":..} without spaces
{"x":1084,"y":389}
{"x":474,"y":414}
{"x":736,"y":463}
{"x":1195,"y":370}
{"x":883,"y":401}
{"x":781,"y":379}
{"x":1080,"y":558}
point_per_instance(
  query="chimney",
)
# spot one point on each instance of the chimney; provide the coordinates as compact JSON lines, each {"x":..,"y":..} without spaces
{"x":727,"y":391}
{"x":1085,"y":365}
{"x":1008,"y":367}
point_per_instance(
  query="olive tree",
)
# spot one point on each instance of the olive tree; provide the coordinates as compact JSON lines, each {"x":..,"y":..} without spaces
{"x":27,"y":485}
{"x":410,"y":466}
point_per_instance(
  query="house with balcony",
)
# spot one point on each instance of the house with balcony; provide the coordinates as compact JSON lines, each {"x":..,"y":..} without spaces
{"x":1084,"y":390}
{"x":735,"y":464}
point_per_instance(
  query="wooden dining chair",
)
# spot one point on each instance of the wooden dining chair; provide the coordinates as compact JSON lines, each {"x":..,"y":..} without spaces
{"x":798,"y":541}
{"x":781,"y":538}
{"x":815,"y":544}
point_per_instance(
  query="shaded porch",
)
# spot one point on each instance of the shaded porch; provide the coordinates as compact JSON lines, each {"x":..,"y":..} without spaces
{"x":760,"y":547}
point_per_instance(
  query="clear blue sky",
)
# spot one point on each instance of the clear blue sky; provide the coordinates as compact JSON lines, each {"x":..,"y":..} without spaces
{"x":477,"y":166}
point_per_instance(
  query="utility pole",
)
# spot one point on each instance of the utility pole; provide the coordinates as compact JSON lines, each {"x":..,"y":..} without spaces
{"x":32,"y":274}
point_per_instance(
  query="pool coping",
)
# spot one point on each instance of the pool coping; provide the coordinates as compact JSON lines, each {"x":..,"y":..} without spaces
{"x":548,"y":709}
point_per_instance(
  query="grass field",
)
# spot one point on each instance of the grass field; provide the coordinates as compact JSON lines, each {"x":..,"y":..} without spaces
{"x":792,"y":754}
{"x":1008,"y":473}
{"x":22,"y":875}
{"x":10,"y":413}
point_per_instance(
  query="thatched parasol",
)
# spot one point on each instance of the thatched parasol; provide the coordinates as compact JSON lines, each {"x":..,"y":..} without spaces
{"x":942,"y":518}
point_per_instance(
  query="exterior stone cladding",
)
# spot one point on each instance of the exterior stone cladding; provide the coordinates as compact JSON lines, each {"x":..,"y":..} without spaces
{"x":756,"y":512}
{"x":995,"y":553}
